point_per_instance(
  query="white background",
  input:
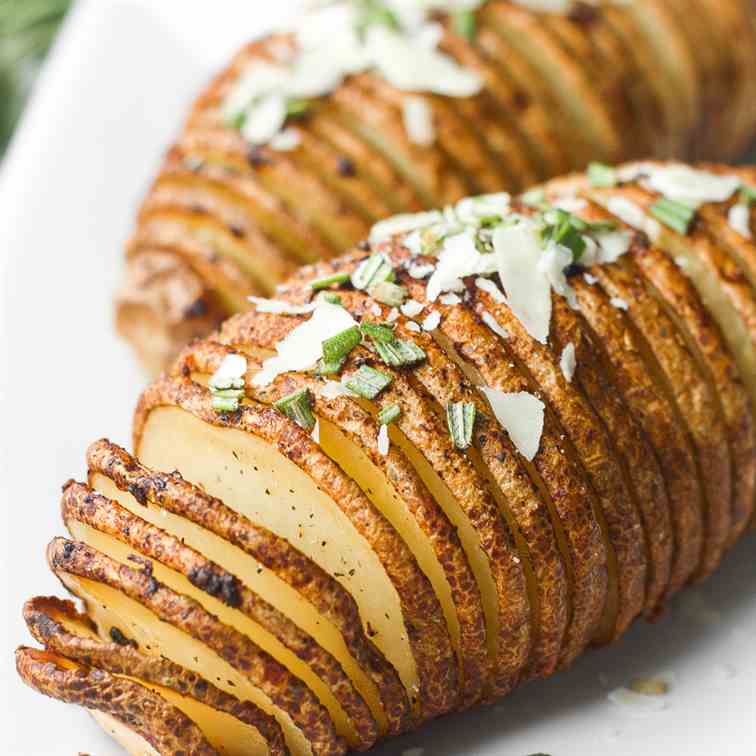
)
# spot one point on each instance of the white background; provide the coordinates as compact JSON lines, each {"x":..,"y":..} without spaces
{"x":113,"y":93}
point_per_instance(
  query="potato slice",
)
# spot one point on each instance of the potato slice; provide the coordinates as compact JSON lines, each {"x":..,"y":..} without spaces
{"x":337,"y":526}
{"x":107,"y":527}
{"x":161,"y":305}
{"x":231,"y":726}
{"x":459,"y":491}
{"x":578,"y":101}
{"x":441,"y":382}
{"x":348,"y":434}
{"x":165,"y":623}
{"x":138,"y":719}
{"x":267,"y":564}
{"x":206,"y":246}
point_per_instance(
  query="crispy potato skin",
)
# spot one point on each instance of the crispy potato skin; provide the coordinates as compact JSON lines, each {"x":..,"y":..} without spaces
{"x":173,"y":493}
{"x":288,"y":693}
{"x":164,"y":727}
{"x":43,"y":617}
{"x":558,"y":92}
{"x":81,"y":504}
{"x":426,"y":629}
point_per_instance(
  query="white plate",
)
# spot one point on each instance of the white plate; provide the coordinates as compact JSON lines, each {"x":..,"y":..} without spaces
{"x":116,"y":87}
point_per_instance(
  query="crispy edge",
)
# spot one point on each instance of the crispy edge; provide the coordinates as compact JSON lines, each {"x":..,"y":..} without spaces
{"x":43,"y":618}
{"x":162,"y":725}
{"x":81,"y":504}
{"x":285,"y":691}
{"x":423,"y":618}
{"x":172,"y":493}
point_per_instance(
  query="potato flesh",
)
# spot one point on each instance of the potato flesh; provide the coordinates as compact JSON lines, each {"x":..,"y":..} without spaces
{"x":130,"y":741}
{"x":251,"y":477}
{"x":358,"y":466}
{"x":110,"y":608}
{"x":734,"y":330}
{"x":263,"y":638}
{"x":468,"y":536}
{"x":257,"y":578}
{"x":227,"y":734}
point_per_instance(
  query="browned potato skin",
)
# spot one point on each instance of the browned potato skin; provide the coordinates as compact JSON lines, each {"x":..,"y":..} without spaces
{"x":81,"y":504}
{"x":422,"y":614}
{"x":43,"y":617}
{"x":284,"y":690}
{"x":173,"y":493}
{"x":206,"y":356}
{"x":164,"y":727}
{"x":651,"y":70}
{"x":558,"y":477}
{"x":428,"y":434}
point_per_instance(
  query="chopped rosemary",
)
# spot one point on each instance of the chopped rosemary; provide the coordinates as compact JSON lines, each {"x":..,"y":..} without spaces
{"x":223,"y":404}
{"x":339,"y":346}
{"x":374,"y":13}
{"x":329,"y":368}
{"x":464,"y":23}
{"x":367,"y":382}
{"x":236,"y":120}
{"x":399,"y":353}
{"x":331,"y":298}
{"x":325,"y":282}
{"x":297,"y":406}
{"x":378,"y":331}
{"x":388,"y":293}
{"x":372,"y":271}
{"x":747,"y":195}
{"x":388,"y":414}
{"x":602,"y":175}
{"x":677,"y":215}
{"x":460,"y":417}
{"x":566,"y":229}
{"x":297,"y":106}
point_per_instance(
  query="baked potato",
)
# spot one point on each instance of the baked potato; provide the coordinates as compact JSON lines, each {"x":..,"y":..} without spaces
{"x":233,"y":212}
{"x":432,"y":469}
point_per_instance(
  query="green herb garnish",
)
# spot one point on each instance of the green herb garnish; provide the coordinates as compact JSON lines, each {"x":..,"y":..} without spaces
{"x":464,"y":24}
{"x":566,"y":229}
{"x":399,"y":353}
{"x":329,"y":368}
{"x":338,"y":347}
{"x":367,"y":382}
{"x":297,"y":106}
{"x":331,"y":298}
{"x":236,"y":120}
{"x":460,"y":417}
{"x":388,"y":414}
{"x":602,"y":175}
{"x":388,"y":293}
{"x":382,"y":332}
{"x":298,"y":407}
{"x":374,"y":13}
{"x":747,"y":195}
{"x":325,"y":282}
{"x":224,"y":404}
{"x":376,"y":269}
{"x":677,"y":215}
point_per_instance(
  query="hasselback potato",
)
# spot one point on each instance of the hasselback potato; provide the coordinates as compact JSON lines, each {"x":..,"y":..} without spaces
{"x":430,"y":470}
{"x":373,"y":108}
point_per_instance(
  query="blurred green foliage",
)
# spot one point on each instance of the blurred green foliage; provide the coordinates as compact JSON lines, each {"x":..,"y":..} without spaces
{"x":27,"y":29}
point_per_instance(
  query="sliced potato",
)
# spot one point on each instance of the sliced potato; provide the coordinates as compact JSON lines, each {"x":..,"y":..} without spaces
{"x":107,"y":527}
{"x":337,"y":526}
{"x":165,"y":623}
{"x":266,"y":563}
{"x":139,"y":719}
{"x":230,"y":725}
